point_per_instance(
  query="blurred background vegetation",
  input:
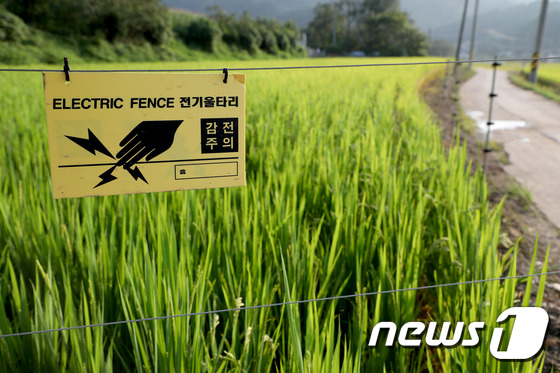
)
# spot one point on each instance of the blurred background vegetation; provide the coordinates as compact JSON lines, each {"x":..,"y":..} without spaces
{"x":44,"y":31}
{"x":33,"y":31}
{"x":372,"y":27}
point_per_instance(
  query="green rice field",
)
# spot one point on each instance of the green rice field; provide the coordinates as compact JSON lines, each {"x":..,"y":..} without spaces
{"x":549,"y":72}
{"x":548,"y":79}
{"x":349,"y":190}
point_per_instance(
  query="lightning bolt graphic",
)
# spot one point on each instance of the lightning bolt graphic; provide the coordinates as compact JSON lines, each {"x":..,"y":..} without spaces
{"x":136,"y":174}
{"x":106,"y":177}
{"x":91,"y":144}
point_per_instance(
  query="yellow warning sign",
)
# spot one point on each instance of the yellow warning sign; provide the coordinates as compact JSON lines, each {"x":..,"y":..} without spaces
{"x":122,"y":133}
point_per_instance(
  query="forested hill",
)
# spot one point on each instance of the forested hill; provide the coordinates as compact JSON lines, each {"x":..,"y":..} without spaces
{"x":426,"y":14}
{"x":297,"y":11}
{"x":505,"y":27}
{"x":142,"y":30}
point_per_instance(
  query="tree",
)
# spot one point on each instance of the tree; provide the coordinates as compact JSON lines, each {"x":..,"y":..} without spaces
{"x":141,"y":20}
{"x":373,"y":26}
{"x":197,"y":31}
{"x":12,"y":28}
{"x":130,"y":20}
{"x":250,"y":37}
{"x":269,"y":41}
{"x":265,"y":35}
{"x":391,"y":34}
{"x":291,"y":32}
{"x":320,"y":29}
{"x":227,"y":23}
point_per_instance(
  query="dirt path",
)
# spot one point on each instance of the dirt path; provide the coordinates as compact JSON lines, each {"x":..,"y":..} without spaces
{"x":534,"y":161}
{"x":534,"y":149}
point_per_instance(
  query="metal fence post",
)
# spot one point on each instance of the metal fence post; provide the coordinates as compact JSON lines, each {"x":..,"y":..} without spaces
{"x":492,"y":95}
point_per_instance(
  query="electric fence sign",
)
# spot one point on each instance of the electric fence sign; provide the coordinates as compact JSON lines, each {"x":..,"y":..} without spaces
{"x":123,"y":133}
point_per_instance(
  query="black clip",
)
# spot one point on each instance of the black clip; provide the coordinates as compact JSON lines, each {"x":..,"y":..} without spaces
{"x":226,"y":74}
{"x":66,"y":70}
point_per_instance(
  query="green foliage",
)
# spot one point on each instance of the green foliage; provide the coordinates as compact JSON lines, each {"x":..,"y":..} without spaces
{"x":548,"y":83}
{"x":139,"y":20}
{"x":287,"y":36}
{"x":14,"y":55}
{"x":349,"y":190}
{"x":376,"y":27}
{"x":143,"y":20}
{"x":46,"y":48}
{"x":254,"y":36}
{"x":390,"y":33}
{"x":250,"y":37}
{"x":269,"y":40}
{"x":197,"y":31}
{"x":227,"y":23}
{"x":39,"y":47}
{"x":520,"y":194}
{"x":12,"y":28}
{"x":137,"y":35}
{"x":140,"y":30}
{"x":320,"y":29}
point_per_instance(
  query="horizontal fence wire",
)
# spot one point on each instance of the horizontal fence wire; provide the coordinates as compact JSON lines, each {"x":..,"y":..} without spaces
{"x":520,"y":59}
{"x":276,"y":304}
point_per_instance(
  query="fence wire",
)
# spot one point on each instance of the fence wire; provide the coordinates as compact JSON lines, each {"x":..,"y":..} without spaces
{"x":517,"y":59}
{"x":275,"y":304}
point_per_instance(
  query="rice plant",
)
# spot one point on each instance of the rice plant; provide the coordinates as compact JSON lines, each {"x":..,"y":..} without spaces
{"x":349,"y":190}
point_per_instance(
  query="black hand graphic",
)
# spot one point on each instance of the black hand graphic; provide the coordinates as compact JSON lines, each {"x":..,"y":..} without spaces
{"x":148,"y":139}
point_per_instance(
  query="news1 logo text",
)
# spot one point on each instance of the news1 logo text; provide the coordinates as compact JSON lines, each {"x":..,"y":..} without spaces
{"x":526,"y":339}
